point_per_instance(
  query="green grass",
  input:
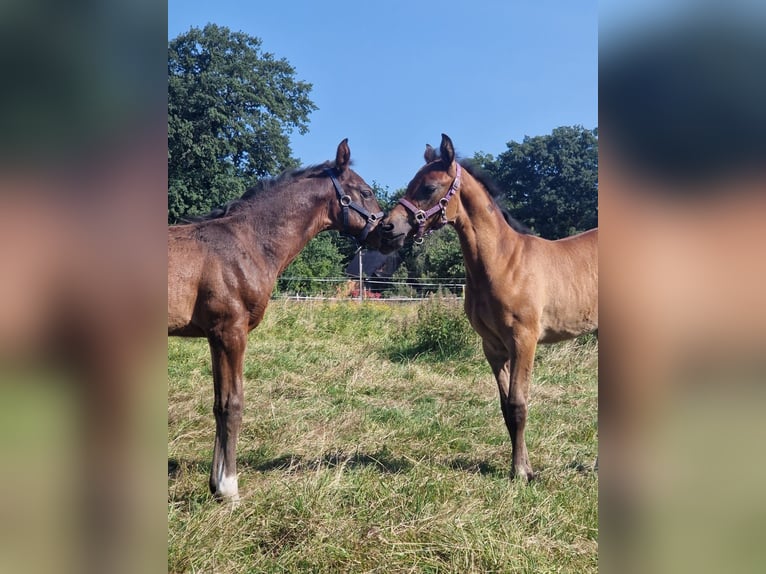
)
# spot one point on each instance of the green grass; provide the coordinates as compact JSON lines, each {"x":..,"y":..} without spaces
{"x":363,"y":451}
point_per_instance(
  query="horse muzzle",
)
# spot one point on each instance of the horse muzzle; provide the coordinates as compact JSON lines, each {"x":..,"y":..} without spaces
{"x":393,"y":234}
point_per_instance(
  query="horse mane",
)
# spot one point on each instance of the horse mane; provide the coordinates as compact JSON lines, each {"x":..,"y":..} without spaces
{"x":495,"y":193}
{"x":263,"y":186}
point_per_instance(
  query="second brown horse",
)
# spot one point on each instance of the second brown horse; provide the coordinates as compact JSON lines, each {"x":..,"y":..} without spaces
{"x":521,"y":290}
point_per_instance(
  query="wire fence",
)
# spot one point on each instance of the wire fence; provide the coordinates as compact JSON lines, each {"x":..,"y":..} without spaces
{"x":350,"y":288}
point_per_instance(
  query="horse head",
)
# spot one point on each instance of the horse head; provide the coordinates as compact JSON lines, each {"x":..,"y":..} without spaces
{"x":425,"y":205}
{"x":356,"y":212}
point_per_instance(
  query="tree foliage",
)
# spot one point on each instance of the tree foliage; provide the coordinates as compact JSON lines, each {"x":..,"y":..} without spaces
{"x":322,"y":257}
{"x":231,"y":107}
{"x":438,"y":257}
{"x":550,"y":181}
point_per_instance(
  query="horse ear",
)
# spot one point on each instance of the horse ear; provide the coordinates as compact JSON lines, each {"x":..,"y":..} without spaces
{"x":430,"y":154}
{"x":342,"y":156}
{"x":447,"y":150}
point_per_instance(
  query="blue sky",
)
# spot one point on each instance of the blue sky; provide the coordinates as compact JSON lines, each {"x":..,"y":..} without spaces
{"x":393,"y":75}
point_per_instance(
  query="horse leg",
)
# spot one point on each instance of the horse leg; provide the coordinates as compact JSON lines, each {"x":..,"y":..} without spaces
{"x":228,"y":352}
{"x":522,"y":362}
{"x":499,"y":360}
{"x":513,"y":371}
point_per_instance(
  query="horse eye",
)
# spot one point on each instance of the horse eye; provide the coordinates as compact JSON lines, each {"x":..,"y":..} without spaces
{"x":366,"y":193}
{"x":427,"y":190}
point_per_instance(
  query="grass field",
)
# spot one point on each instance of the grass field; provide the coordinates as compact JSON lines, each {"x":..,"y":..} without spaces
{"x":365,"y":450}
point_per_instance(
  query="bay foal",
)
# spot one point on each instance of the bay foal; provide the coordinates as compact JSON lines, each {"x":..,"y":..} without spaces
{"x":222,"y":269}
{"x":521,"y":290}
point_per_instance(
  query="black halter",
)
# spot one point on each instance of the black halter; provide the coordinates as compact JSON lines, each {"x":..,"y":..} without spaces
{"x":346,"y":202}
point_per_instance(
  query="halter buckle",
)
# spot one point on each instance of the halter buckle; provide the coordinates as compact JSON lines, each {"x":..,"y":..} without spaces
{"x":345,"y":200}
{"x":420,"y":216}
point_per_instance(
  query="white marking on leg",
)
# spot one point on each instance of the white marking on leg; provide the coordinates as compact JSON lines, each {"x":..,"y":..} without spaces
{"x":219,"y":474}
{"x":228,"y":489}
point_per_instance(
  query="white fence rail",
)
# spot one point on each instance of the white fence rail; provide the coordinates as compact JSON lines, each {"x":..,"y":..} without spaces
{"x":348,"y":288}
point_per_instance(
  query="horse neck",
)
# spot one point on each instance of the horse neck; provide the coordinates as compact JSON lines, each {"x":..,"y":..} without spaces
{"x":283,"y":220}
{"x":482,"y":229}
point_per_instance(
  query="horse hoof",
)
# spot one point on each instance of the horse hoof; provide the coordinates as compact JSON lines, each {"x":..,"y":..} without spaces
{"x":523,"y":474}
{"x":232,"y":500}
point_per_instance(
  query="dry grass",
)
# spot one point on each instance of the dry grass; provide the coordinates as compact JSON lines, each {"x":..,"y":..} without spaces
{"x":361,"y":453}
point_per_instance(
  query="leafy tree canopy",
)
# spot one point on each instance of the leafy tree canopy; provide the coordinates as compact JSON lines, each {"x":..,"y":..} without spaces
{"x":231,"y":107}
{"x":322,"y":257}
{"x":550,"y":181}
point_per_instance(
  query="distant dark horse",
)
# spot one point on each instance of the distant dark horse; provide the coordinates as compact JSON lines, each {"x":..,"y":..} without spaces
{"x":521,"y":290}
{"x":222,"y":269}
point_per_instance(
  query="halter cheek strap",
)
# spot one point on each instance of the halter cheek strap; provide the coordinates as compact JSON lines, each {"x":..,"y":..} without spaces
{"x":345,"y":203}
{"x":421,"y":217}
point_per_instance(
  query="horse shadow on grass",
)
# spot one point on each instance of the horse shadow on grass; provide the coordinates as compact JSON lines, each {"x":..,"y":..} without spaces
{"x":382,"y":460}
{"x":473,"y":466}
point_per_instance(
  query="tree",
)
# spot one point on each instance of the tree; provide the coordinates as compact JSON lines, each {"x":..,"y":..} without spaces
{"x":440,"y":256}
{"x":550,"y":181}
{"x":320,"y":258}
{"x":231,"y":108}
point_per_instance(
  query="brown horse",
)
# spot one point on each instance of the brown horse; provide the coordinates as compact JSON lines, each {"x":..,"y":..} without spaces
{"x":521,"y":290}
{"x":222,"y":269}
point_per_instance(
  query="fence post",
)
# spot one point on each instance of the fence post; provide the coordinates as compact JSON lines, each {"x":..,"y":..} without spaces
{"x":361,"y":274}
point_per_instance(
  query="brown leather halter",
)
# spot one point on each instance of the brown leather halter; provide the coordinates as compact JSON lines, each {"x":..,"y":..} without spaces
{"x":441,"y":207}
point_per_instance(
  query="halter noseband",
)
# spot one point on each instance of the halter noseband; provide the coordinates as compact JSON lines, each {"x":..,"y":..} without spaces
{"x":422,"y":216}
{"x":345,"y":203}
